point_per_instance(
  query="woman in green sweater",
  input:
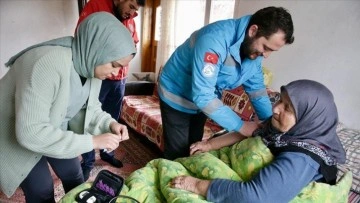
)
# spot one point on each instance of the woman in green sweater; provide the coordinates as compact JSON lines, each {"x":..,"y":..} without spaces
{"x":50,"y":113}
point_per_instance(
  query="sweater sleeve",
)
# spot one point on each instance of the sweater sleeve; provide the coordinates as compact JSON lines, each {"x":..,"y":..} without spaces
{"x":42,"y":95}
{"x":279,"y":182}
{"x":100,"y":120}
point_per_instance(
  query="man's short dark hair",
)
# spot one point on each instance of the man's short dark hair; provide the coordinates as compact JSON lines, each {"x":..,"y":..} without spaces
{"x":140,"y":2}
{"x":272,"y":19}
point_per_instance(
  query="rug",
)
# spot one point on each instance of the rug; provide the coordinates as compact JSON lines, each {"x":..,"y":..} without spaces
{"x":134,"y":154}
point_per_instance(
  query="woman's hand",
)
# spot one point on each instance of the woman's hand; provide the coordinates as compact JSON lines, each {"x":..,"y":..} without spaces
{"x":191,"y":184}
{"x":199,"y":147}
{"x":107,"y":141}
{"x":120,"y":130}
{"x":110,"y":141}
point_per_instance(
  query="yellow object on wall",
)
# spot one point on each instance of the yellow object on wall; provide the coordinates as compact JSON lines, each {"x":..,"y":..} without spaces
{"x":268,"y":76}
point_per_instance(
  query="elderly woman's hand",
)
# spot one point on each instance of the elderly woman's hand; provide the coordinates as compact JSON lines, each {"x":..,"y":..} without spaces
{"x":199,"y":147}
{"x":191,"y":184}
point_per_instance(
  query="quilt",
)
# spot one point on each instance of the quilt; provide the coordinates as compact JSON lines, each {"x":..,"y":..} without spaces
{"x":239,"y":162}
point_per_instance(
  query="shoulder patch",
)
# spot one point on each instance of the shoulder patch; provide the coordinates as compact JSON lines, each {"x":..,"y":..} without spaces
{"x":208,"y":70}
{"x":211,"y":58}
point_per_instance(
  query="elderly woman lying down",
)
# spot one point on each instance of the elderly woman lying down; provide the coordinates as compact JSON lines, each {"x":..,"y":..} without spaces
{"x":292,"y":157}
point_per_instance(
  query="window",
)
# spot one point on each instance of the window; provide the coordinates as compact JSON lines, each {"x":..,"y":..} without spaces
{"x":175,"y":24}
{"x":221,"y":9}
{"x":187,"y":23}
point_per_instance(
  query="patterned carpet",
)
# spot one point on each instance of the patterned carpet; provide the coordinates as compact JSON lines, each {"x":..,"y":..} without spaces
{"x":134,"y":154}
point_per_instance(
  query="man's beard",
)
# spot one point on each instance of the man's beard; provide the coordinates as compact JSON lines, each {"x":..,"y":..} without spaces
{"x":117,"y":14}
{"x":245,"y":49}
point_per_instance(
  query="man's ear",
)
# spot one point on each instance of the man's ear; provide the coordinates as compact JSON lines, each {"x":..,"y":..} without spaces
{"x":253,"y":30}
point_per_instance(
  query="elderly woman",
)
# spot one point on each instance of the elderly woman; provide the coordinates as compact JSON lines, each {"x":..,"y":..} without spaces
{"x":301,"y":135}
{"x":50,"y":113}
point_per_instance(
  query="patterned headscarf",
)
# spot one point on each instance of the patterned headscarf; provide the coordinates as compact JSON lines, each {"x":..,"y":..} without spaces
{"x":100,"y":39}
{"x":316,"y":121}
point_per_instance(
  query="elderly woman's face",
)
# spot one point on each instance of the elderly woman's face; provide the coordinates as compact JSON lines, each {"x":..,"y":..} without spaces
{"x":283,"y":118}
{"x":108,"y":70}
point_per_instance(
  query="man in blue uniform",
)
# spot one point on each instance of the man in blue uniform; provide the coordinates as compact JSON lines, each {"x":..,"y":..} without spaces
{"x":221,"y":55}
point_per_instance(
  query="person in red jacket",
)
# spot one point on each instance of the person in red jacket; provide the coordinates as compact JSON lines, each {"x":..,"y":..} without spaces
{"x":113,"y":88}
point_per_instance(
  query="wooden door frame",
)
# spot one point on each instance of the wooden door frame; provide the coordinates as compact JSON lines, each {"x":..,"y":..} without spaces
{"x":81,"y":5}
{"x":148,"y":43}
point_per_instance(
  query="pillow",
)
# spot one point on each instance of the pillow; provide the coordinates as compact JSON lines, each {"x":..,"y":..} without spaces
{"x":268,"y":76}
{"x":144,"y":76}
{"x":155,"y":92}
{"x":239,"y":102}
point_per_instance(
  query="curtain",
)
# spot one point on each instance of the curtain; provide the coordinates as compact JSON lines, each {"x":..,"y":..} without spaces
{"x":176,"y":26}
{"x":166,"y":44}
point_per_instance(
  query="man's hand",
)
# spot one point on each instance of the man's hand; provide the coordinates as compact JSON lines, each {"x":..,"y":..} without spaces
{"x":248,"y":128}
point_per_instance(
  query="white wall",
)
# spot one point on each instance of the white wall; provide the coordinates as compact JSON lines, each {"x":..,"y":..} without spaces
{"x":27,"y":22}
{"x":326,"y":49}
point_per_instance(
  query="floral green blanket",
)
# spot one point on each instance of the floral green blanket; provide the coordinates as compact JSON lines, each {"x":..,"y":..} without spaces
{"x":239,"y":162}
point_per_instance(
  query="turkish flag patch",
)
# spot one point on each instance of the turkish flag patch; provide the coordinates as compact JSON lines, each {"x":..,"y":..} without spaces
{"x":211,"y":58}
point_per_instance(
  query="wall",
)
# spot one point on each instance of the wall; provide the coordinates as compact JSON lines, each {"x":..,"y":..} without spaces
{"x":326,"y":49}
{"x":326,"y":46}
{"x":27,"y":22}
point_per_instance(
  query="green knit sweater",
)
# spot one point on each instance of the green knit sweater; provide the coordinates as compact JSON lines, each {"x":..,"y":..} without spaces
{"x":34,"y":97}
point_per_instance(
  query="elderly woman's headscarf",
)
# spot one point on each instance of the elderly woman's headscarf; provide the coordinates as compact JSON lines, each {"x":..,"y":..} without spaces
{"x":316,"y":117}
{"x":100,"y":39}
{"x":316,"y":121}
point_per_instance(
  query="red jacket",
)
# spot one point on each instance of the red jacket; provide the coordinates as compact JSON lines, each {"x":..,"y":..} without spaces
{"x":107,"y":5}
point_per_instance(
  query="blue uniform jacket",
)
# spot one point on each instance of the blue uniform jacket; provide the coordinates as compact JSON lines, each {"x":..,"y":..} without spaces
{"x":207,"y":63}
